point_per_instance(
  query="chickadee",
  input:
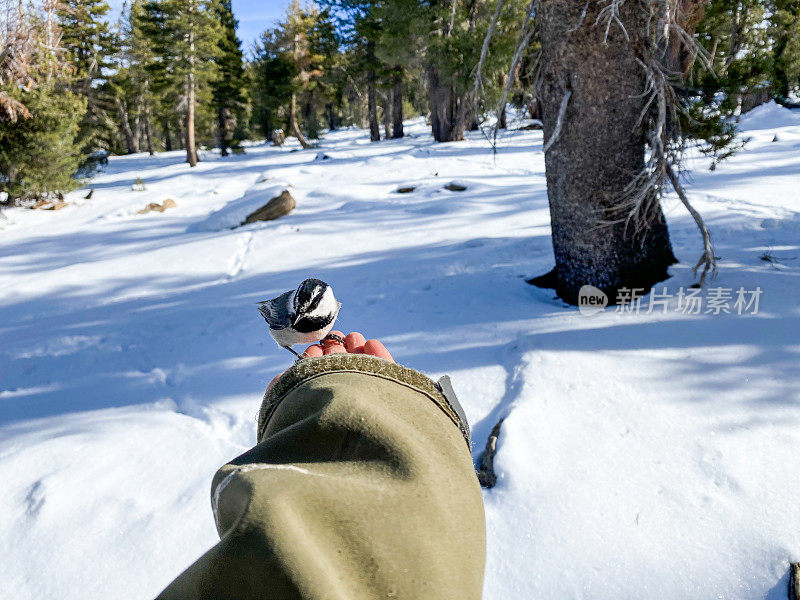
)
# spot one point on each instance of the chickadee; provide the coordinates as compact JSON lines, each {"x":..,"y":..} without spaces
{"x":301,"y":316}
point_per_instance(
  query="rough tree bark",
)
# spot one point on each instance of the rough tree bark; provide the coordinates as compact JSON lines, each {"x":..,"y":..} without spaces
{"x":148,"y":124}
{"x":599,"y":147}
{"x":447,"y":121}
{"x":372,"y":111}
{"x":397,"y":107}
{"x":191,"y":150}
{"x":387,"y":114}
{"x":223,"y":130}
{"x":167,"y":134}
{"x":130,"y":139}
{"x":293,"y":122}
{"x":331,"y":116}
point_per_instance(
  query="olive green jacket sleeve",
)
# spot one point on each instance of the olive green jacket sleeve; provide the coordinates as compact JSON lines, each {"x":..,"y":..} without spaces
{"x":361,"y":486}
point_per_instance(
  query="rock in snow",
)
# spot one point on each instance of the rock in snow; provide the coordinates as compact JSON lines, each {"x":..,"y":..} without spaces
{"x":156,"y":207}
{"x":256,"y":200}
{"x":277,"y":207}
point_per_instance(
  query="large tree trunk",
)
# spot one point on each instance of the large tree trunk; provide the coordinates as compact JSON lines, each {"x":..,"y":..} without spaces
{"x":465,"y":116}
{"x":372,"y":111}
{"x":167,"y":136}
{"x":397,"y":107}
{"x":449,"y":115}
{"x":293,"y":122}
{"x":502,"y":116}
{"x":191,"y":150}
{"x":331,"y":116}
{"x":148,"y":126}
{"x":223,"y":121}
{"x":601,"y":146}
{"x":441,"y":103}
{"x":387,"y":114}
{"x":130,"y":140}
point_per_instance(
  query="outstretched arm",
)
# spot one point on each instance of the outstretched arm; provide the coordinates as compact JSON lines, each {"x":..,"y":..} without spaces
{"x":361,"y":486}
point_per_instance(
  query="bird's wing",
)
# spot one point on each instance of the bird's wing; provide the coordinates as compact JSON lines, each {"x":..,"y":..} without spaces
{"x":278,"y":311}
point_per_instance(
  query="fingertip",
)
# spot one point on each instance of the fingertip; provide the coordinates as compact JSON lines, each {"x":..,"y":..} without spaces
{"x":375,"y":348}
{"x":313,"y":351}
{"x":354,"y":342}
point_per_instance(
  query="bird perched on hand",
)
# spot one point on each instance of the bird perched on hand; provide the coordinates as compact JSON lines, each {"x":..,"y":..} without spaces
{"x":302,"y":316}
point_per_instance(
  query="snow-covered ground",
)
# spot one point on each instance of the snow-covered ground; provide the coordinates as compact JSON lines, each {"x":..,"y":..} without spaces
{"x":649,"y":455}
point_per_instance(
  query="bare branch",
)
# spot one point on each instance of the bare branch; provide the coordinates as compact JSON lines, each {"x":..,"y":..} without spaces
{"x":523,"y":39}
{"x":579,"y":24}
{"x":484,"y":51}
{"x":610,"y":14}
{"x":707,"y":260}
{"x":562,"y":110}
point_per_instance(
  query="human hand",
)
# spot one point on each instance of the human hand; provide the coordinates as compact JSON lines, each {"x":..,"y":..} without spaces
{"x":354,"y":343}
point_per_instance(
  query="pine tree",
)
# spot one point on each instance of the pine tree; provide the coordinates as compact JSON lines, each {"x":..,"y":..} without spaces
{"x":230,"y":86}
{"x":39,"y":153}
{"x":784,"y":29}
{"x":272,"y":74}
{"x":184,"y":36}
{"x":132,"y":86}
{"x":296,"y":39}
{"x":90,"y":47}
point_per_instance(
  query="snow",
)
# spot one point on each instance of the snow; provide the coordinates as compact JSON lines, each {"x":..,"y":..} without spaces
{"x":768,"y":116}
{"x":643,"y":455}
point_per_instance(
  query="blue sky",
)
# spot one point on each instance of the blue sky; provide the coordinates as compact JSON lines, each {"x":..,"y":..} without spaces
{"x":255,"y":16}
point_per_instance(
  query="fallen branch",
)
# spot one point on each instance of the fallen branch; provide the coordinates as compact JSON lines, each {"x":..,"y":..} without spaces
{"x":486,"y":474}
{"x":707,"y":260}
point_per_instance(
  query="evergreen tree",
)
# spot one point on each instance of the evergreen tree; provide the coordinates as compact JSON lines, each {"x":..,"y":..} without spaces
{"x":39,"y":153}
{"x":132,"y":86}
{"x":784,"y":29}
{"x":90,"y":47}
{"x":272,"y":73}
{"x":230,"y":86}
{"x":297,"y":40}
{"x":184,"y":36}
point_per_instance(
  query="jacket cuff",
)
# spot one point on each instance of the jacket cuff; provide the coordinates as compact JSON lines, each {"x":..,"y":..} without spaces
{"x":440,"y":393}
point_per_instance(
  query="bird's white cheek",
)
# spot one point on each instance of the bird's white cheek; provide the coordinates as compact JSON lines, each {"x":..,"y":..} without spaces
{"x":328,"y":305}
